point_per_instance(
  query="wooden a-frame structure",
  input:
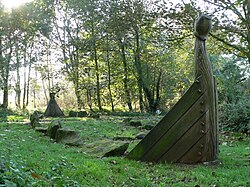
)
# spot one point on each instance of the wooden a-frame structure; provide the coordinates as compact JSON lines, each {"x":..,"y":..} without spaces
{"x":53,"y":110}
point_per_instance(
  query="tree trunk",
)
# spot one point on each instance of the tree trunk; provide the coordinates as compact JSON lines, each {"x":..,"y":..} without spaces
{"x":76,"y":79}
{"x":34,"y":93}
{"x":157,"y":100}
{"x":125,"y":79}
{"x":141,"y":81}
{"x":34,"y":98}
{"x":78,"y":97}
{"x":24,"y":79}
{"x":97,"y":80}
{"x":1,"y":63}
{"x":109,"y":76}
{"x":140,"y":97}
{"x":6,"y":72}
{"x":89,"y":92}
{"x":28,"y":83}
{"x":45,"y":91}
{"x":96,"y":69}
{"x":1,"y":60}
{"x":5,"y":92}
{"x":89,"y":99}
{"x":247,"y":15}
{"x":48,"y":65}
{"x":18,"y":88}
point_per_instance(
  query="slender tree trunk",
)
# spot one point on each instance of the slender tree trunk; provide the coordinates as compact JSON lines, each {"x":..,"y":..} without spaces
{"x":78,"y":94}
{"x":6,"y":78}
{"x":24,"y":79}
{"x":248,"y":41}
{"x":77,"y":87}
{"x":125,"y":79}
{"x":5,"y":91}
{"x":24,"y":88}
{"x":18,"y":87}
{"x":109,"y":75}
{"x":158,"y":83}
{"x":45,"y":91}
{"x":34,"y":98}
{"x":75,"y":60}
{"x":1,"y":59}
{"x":97,"y":80}
{"x":1,"y":62}
{"x":48,"y":65}
{"x":28,"y":83}
{"x":89,"y":94}
{"x":34,"y":93}
{"x":247,"y":15}
{"x":140,"y":97}
{"x":96,"y":69}
{"x":89,"y":99}
{"x":142,"y":83}
{"x":6,"y":87}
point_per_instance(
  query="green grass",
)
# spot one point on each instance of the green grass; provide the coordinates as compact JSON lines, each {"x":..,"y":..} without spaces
{"x":29,"y":158}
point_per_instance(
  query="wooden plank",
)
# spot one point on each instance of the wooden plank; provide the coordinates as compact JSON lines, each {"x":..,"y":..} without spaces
{"x":176,"y":132}
{"x":216,"y":128}
{"x":179,"y":109}
{"x":196,"y":153}
{"x":187,"y":141}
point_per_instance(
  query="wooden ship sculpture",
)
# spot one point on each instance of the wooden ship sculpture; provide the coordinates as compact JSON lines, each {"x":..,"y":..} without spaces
{"x":188,"y":133}
{"x":53,"y":110}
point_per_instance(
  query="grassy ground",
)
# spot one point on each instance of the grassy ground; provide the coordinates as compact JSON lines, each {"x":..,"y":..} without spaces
{"x":28,"y":158}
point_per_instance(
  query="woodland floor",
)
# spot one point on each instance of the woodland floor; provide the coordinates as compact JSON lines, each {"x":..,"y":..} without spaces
{"x":28,"y":158}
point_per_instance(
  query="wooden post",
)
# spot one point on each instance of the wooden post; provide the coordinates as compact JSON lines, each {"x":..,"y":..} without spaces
{"x":203,"y":69}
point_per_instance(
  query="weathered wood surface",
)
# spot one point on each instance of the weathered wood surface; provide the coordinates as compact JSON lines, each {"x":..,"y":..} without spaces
{"x":188,"y":133}
{"x":203,"y":68}
{"x":173,"y":125}
{"x":53,"y":110}
{"x":187,"y":142}
{"x":180,"y":129}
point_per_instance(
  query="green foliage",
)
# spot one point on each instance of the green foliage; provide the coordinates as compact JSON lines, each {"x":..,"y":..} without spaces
{"x":236,"y":117}
{"x":234,"y":101}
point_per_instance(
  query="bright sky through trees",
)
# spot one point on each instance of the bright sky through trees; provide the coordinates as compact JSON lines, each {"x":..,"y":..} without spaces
{"x":14,"y":3}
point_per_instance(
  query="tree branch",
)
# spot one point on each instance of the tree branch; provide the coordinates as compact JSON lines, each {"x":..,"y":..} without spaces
{"x":238,"y":48}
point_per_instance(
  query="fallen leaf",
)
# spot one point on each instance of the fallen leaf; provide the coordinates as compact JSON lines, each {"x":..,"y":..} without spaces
{"x":36,"y":176}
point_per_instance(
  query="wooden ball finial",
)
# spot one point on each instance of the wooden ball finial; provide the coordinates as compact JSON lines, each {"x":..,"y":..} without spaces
{"x":202,"y":27}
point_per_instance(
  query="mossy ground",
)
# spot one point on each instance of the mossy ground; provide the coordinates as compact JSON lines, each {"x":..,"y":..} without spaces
{"x":28,"y":158}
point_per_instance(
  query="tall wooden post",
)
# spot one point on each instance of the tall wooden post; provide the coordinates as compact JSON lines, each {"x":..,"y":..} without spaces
{"x":203,"y":69}
{"x":188,"y":133}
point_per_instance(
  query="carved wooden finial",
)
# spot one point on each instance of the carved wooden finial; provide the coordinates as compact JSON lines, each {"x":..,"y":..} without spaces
{"x":202,"y":27}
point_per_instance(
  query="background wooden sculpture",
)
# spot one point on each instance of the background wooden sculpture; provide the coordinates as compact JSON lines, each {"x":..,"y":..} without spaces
{"x":53,"y":110}
{"x":188,"y":133}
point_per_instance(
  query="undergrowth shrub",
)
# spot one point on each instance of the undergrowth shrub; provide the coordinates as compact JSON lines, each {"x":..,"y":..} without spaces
{"x":233,"y":79}
{"x":236,"y":117}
